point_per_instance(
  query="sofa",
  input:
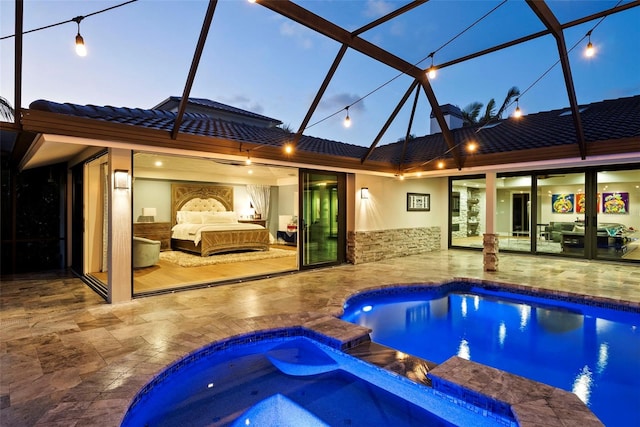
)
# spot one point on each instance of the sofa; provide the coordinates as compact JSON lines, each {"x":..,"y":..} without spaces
{"x":555,"y":229}
{"x":146,"y":252}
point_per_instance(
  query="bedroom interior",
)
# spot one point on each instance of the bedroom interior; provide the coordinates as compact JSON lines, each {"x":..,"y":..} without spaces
{"x":244,"y":219}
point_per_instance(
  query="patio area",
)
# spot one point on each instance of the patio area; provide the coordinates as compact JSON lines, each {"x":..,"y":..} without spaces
{"x":68,"y":358}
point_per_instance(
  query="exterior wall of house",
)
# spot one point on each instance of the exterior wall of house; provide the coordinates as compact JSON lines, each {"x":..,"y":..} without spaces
{"x":384,"y":228}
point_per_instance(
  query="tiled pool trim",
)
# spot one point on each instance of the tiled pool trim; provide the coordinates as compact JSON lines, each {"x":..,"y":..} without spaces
{"x":465,"y":285}
{"x":530,"y":403}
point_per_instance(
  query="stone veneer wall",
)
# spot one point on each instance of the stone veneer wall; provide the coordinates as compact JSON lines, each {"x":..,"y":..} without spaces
{"x":370,"y":246}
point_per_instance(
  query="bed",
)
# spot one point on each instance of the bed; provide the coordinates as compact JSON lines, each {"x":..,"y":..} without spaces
{"x":204,"y":222}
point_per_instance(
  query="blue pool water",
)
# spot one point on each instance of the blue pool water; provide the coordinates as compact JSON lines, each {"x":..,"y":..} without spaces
{"x":293,"y":381}
{"x":593,"y":352}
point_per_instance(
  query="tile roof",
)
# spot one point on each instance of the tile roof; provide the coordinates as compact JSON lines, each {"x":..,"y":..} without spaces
{"x":601,"y":121}
{"x":207,"y":103}
{"x":200,"y":124}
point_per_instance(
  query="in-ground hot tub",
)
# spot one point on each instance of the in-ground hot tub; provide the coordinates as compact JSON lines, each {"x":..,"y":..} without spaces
{"x":285,"y":378}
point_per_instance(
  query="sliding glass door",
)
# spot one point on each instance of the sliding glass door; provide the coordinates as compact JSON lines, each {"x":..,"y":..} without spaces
{"x":563,"y":202}
{"x":323,"y":218}
{"x":617,"y":215}
{"x":593,"y":213}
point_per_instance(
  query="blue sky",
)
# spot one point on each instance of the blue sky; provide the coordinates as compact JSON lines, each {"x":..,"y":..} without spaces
{"x":140,"y":54}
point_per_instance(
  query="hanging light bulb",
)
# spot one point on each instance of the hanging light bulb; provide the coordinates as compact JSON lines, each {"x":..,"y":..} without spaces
{"x":347,"y":120}
{"x":288,"y":149}
{"x":248,"y":161}
{"x":431,"y":71}
{"x":472,"y":146}
{"x":81,"y":49}
{"x":440,"y":164}
{"x":590,"y":50}
{"x":517,"y":113}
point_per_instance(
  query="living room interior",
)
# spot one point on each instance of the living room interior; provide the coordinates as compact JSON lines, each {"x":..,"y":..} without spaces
{"x":560,"y":208}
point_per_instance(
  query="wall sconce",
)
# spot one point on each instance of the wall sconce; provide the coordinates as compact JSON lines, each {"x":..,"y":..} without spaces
{"x":121,"y":179}
{"x":364,"y":193}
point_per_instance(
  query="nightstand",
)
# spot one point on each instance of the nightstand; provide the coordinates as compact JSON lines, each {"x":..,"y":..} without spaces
{"x":155,"y":231}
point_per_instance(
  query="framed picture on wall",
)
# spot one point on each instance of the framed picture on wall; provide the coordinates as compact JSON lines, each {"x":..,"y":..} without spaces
{"x":581,"y":203}
{"x":615,"y":203}
{"x":562,"y":203}
{"x":418,"y":202}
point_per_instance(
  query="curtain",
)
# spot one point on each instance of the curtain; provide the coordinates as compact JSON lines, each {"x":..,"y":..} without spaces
{"x":260,"y":195}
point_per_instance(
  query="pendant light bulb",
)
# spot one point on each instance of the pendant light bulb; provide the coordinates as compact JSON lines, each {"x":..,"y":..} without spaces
{"x":440,"y":164}
{"x":81,"y":49}
{"x":248,"y":161}
{"x":431,"y":71}
{"x":518,"y":112}
{"x":347,"y":120}
{"x":590,"y":50}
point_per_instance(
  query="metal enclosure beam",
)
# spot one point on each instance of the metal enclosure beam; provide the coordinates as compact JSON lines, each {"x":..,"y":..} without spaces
{"x":310,"y":20}
{"x":547,"y":17}
{"x":194,"y":66}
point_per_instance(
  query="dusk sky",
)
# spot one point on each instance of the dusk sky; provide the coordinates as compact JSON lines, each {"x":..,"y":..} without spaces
{"x":139,"y":54}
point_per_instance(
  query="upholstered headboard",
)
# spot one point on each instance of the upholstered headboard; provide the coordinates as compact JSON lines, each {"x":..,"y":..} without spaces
{"x":200,"y":197}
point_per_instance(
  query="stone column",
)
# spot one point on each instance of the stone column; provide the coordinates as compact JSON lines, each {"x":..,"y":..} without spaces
{"x":490,"y":247}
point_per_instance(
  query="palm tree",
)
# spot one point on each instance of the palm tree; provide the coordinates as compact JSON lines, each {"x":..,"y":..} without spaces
{"x":471,"y":113}
{"x":6,"y":110}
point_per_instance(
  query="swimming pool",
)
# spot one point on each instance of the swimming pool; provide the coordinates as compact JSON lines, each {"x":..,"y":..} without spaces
{"x":592,"y":351}
{"x":295,"y":381}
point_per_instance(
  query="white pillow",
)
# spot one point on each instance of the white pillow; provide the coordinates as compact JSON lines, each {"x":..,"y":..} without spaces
{"x":228,"y":216}
{"x":189,"y":217}
{"x":219,"y":218}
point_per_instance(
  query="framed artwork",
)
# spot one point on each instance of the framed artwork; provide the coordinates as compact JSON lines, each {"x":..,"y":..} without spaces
{"x":615,"y":203}
{"x":418,"y":202}
{"x":562,"y":203}
{"x":581,"y":203}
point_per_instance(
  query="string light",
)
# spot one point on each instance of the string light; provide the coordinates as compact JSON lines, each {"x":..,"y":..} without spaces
{"x":288,"y":148}
{"x":248,"y":161}
{"x":590,"y":50}
{"x":431,"y":71}
{"x":428,"y":72}
{"x":472,"y":146}
{"x":81,"y":49}
{"x":440,"y":164}
{"x":517,"y":113}
{"x":347,"y":120}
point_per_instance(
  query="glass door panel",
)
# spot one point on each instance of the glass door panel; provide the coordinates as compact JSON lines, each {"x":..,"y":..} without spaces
{"x":467,"y":212}
{"x":562,"y":204}
{"x":322,"y":222}
{"x":513,"y":213}
{"x":617,"y":205}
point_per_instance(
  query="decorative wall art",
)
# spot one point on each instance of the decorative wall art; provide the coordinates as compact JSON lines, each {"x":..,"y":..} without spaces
{"x":615,"y":203}
{"x":581,"y":203}
{"x":418,"y":202}
{"x":562,"y":203}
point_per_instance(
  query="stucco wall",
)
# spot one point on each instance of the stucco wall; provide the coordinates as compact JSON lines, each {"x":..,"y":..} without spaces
{"x":383,"y":226}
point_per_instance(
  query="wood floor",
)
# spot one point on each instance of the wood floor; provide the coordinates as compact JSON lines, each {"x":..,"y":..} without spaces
{"x":166,"y":275}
